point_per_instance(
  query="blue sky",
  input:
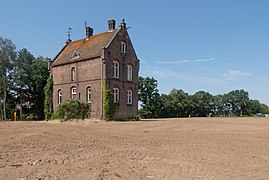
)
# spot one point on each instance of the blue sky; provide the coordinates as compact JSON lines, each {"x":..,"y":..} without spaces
{"x":211,"y":45}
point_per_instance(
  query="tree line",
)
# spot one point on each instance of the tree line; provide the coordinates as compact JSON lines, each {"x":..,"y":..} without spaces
{"x":26,"y":88}
{"x":22,"y":81}
{"x":201,"y":104}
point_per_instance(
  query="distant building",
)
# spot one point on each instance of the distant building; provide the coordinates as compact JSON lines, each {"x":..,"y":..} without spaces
{"x":262,"y":115}
{"x":81,"y":65}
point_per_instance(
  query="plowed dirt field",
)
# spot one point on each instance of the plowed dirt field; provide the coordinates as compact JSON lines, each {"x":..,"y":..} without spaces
{"x":191,"y":148}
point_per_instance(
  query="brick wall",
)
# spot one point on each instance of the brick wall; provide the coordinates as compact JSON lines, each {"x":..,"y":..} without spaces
{"x":88,"y":74}
{"x":129,"y":58}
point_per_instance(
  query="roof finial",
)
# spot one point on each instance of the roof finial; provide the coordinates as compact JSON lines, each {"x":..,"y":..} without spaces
{"x":123,"y":24}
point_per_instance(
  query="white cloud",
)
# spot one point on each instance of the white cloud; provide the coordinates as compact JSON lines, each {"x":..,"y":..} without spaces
{"x":187,"y":61}
{"x":235,"y":74}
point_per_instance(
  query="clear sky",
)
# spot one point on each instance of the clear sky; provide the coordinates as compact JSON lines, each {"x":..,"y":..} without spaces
{"x":211,"y":45}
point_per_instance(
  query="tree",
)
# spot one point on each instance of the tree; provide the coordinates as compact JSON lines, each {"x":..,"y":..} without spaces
{"x":253,"y":107}
{"x":163,"y":106}
{"x":48,"y":105}
{"x":203,"y":103}
{"x":148,"y":95}
{"x":22,"y":79}
{"x":147,"y":89}
{"x":7,"y":57}
{"x":178,"y":102}
{"x":264,"y":108}
{"x":237,"y":101}
{"x":39,"y":78}
{"x":217,"y":107}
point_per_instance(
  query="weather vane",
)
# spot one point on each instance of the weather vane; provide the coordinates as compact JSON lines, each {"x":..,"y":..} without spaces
{"x":69,"y":31}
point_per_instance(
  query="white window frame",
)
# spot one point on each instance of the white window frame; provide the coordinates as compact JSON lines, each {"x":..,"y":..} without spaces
{"x":129,"y":73}
{"x":123,"y":47}
{"x":73,"y":92}
{"x":116,"y":69}
{"x":73,"y":74}
{"x":129,"y":97}
{"x":116,"y":95}
{"x":89,"y":94}
{"x":60,"y":96}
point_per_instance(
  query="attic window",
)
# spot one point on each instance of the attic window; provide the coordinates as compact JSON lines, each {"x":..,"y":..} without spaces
{"x":76,"y":55}
{"x":123,"y":47}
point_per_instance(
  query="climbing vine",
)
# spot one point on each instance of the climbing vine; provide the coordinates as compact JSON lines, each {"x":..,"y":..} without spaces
{"x":108,"y":104}
{"x":48,"y":110}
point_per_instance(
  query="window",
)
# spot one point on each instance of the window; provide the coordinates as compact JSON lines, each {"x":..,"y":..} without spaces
{"x":116,"y":69}
{"x":129,"y":73}
{"x":76,"y":55}
{"x":73,"y":92}
{"x":129,"y":97}
{"x":60,"y":95}
{"x":89,"y":95}
{"x":73,"y":74}
{"x":123,"y":47}
{"x":116,"y":93}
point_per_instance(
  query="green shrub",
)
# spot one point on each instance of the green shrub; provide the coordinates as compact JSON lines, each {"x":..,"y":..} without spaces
{"x":135,"y":117}
{"x":131,"y":118}
{"x":71,"y":109}
{"x":145,"y":113}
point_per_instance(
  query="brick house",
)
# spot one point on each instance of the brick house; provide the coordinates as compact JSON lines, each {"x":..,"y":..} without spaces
{"x":81,"y":66}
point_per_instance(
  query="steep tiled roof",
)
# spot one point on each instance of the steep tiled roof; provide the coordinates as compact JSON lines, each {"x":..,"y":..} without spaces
{"x":86,"y":49}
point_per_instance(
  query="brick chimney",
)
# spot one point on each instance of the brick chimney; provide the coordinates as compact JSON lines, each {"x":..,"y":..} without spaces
{"x":89,"y":32}
{"x":111,"y":24}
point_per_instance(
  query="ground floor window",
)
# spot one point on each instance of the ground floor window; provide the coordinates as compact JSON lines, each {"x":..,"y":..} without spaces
{"x":73,"y":92}
{"x":129,"y":97}
{"x":89,"y":95}
{"x":60,"y":95}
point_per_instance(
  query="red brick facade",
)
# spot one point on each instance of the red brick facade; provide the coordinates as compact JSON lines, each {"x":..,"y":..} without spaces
{"x":94,"y":63}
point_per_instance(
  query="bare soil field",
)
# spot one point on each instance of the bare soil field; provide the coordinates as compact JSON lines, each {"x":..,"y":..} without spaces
{"x":193,"y":148}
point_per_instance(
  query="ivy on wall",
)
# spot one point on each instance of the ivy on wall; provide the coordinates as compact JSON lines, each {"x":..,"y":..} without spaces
{"x":108,"y":104}
{"x":48,"y":109}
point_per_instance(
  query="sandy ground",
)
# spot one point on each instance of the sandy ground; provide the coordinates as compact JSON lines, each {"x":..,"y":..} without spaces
{"x":195,"y":148}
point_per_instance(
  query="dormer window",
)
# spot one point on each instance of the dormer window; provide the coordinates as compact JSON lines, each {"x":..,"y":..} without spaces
{"x":123,"y":47}
{"x":76,"y":55}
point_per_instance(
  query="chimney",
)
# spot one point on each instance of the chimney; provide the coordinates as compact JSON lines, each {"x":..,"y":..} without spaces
{"x":89,"y":32}
{"x":49,"y":65}
{"x":111,"y":24}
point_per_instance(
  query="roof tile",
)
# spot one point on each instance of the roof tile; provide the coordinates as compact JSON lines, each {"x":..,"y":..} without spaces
{"x":87,"y":48}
